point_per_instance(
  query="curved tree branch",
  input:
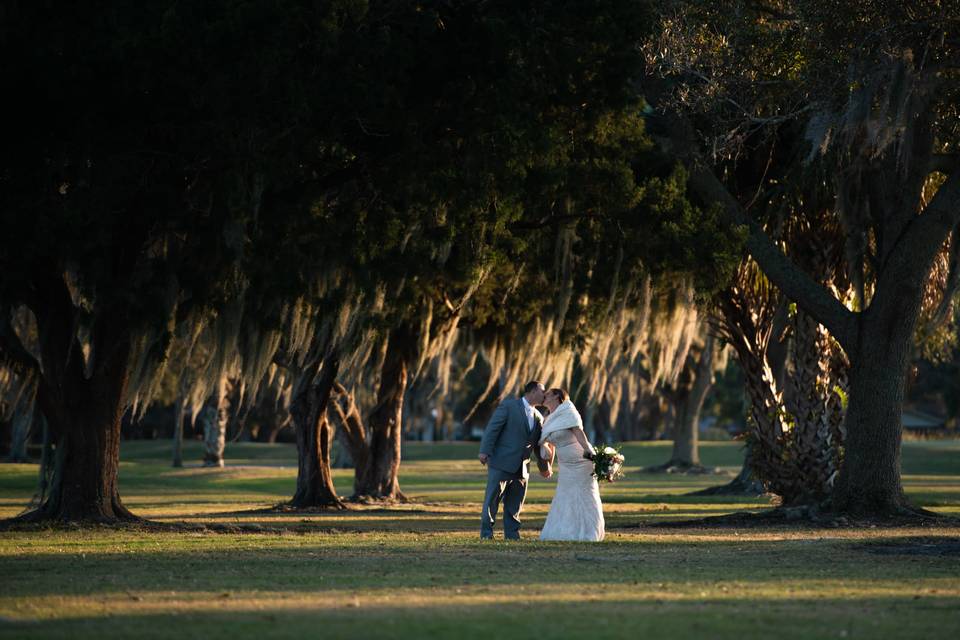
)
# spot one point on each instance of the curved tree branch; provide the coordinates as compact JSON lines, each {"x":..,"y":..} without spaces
{"x":787,"y":276}
{"x":924,"y":236}
{"x":675,"y":136}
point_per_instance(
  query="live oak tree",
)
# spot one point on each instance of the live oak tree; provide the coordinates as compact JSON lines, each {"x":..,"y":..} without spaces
{"x":132,"y":191}
{"x":482,"y":102}
{"x":547,"y":158}
{"x":875,"y":88}
{"x":173,"y":166}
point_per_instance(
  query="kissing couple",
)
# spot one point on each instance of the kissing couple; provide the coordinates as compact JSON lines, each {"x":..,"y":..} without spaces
{"x":518,"y":429}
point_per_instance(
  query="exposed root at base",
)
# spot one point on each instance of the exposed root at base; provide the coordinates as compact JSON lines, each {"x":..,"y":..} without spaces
{"x":737,"y":487}
{"x":682,"y":468}
{"x":399,"y":498}
{"x":290,"y":507}
{"x":41,"y":518}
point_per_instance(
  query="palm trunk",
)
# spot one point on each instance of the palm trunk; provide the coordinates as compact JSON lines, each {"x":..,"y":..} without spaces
{"x":746,"y":322}
{"x":314,"y":439}
{"x":764,"y":455}
{"x":814,"y":442}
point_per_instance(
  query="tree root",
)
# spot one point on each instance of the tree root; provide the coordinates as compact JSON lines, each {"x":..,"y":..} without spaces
{"x":293,"y":507}
{"x":50,"y":516}
{"x":736,"y":487}
{"x":398,"y":498}
{"x":683,"y":468}
{"x":37,"y":520}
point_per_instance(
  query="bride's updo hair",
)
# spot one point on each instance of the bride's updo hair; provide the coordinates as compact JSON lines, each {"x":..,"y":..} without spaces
{"x":560,"y":394}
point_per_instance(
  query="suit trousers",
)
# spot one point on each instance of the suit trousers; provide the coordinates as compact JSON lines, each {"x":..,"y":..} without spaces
{"x":509,"y":488}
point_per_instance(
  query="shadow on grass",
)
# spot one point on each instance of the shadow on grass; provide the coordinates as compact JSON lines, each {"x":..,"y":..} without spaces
{"x":545,"y":619}
{"x":345,"y":562}
{"x":284,"y":511}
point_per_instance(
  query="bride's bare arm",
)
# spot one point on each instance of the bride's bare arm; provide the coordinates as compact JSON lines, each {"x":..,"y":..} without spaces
{"x":582,"y":439}
{"x":547,"y":451}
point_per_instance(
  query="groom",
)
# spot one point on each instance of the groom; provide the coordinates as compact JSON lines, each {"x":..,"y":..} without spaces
{"x":509,"y":439}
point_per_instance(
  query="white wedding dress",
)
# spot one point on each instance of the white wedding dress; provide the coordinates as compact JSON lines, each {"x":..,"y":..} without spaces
{"x":576,"y":512}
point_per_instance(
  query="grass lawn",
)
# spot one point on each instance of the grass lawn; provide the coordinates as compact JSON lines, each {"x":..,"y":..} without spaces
{"x":420,"y":571}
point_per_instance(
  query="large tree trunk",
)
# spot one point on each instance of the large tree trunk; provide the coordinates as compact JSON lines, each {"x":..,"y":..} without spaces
{"x":686,"y":441}
{"x":377,"y":479}
{"x":86,"y":422}
{"x":869,"y":480}
{"x":314,"y":439}
{"x":688,"y":399}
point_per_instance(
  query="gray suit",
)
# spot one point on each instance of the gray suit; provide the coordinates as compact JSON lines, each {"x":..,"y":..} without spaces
{"x":508,"y":442}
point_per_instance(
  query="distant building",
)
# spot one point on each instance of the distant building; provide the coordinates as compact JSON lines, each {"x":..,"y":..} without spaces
{"x":923,"y":424}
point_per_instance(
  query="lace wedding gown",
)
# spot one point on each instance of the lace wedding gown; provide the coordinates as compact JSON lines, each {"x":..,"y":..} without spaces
{"x":576,"y":512}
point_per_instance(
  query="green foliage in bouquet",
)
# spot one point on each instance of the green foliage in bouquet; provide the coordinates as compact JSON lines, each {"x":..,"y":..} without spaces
{"x":608,"y":464}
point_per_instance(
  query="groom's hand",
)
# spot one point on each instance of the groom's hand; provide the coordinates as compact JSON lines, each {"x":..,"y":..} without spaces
{"x":546,"y":473}
{"x":483,"y":458}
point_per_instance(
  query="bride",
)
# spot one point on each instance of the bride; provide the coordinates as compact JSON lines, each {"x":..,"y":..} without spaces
{"x":576,"y":512}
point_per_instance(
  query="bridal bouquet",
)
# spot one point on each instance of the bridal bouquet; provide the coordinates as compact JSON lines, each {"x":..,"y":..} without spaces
{"x":608,"y":464}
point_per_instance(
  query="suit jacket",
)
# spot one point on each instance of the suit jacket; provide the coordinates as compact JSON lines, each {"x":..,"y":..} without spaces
{"x":508,"y":441}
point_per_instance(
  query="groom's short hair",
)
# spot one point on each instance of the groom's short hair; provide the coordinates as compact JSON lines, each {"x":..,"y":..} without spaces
{"x":533,"y":384}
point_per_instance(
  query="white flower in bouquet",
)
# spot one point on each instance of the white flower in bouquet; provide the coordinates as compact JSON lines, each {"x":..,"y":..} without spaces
{"x":610,"y":451}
